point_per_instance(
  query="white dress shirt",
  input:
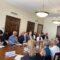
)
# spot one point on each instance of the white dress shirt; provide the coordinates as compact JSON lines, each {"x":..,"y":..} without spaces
{"x":54,"y":49}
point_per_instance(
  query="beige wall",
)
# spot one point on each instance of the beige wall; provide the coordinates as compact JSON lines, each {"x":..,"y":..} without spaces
{"x":50,"y":28}
{"x":6,"y":9}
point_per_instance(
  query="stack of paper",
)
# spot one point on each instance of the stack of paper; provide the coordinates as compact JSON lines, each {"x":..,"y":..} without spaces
{"x":10,"y":53}
{"x":18,"y":57}
{"x":1,"y":46}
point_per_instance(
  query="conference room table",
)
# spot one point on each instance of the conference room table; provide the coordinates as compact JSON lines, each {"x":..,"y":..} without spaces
{"x":16,"y":48}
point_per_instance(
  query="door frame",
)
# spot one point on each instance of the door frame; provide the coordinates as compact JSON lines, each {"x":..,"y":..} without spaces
{"x":12,"y":17}
{"x":38,"y":26}
{"x":31,"y":22}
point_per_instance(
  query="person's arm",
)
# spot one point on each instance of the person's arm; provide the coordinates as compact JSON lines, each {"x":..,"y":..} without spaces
{"x":42,"y":53}
{"x":10,"y":40}
{"x":1,"y":43}
{"x":17,"y":40}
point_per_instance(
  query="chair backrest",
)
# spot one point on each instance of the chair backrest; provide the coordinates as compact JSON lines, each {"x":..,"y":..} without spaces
{"x":57,"y":56}
{"x":48,"y":58}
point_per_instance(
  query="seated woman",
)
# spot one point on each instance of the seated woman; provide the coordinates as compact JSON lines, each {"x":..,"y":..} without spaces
{"x":13,"y":38}
{"x":31,"y":51}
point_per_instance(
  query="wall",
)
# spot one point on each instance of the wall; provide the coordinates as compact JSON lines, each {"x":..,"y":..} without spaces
{"x":6,"y":9}
{"x":50,"y":28}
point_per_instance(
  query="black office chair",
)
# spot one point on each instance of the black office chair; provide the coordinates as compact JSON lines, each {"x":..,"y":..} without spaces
{"x":57,"y":56}
{"x":48,"y":58}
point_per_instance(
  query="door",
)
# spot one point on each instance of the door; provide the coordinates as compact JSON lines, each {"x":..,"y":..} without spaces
{"x":40,"y":28}
{"x":58,"y":31}
{"x":12,"y":24}
{"x":30,"y":26}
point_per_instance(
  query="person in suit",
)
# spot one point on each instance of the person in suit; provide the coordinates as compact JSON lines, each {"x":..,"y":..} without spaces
{"x":23,"y":38}
{"x":29,"y":58}
{"x":34,"y":35}
{"x":43,"y":36}
{"x":57,"y":42}
{"x":30,"y":35}
{"x":5,"y":38}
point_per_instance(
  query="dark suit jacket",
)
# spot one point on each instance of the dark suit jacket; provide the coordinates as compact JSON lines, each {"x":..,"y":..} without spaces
{"x":36,"y":57}
{"x":21,"y":39}
{"x":28,"y":58}
{"x":43,"y":37}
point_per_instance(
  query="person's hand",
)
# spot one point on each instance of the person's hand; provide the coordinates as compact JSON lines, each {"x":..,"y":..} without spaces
{"x":42,"y":53}
{"x":6,"y":41}
{"x":1,"y":43}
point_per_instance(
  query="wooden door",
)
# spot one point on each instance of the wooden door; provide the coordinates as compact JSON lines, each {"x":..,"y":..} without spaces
{"x":40,"y":28}
{"x":58,"y":31}
{"x":12,"y":24}
{"x":30,"y":26}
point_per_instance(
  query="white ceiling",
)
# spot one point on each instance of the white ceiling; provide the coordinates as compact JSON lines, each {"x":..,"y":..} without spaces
{"x":32,"y":6}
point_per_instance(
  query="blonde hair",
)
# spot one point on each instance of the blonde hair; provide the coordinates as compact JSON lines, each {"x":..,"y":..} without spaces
{"x":41,"y":49}
{"x":42,"y":45}
{"x":31,"y":43}
{"x":53,"y":42}
{"x":14,"y":32}
{"x":31,"y":46}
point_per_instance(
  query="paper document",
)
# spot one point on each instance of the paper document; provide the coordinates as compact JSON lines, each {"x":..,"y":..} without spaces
{"x":18,"y":57}
{"x":10,"y":53}
{"x":26,"y":49}
{"x":24,"y":43}
{"x":1,"y":46}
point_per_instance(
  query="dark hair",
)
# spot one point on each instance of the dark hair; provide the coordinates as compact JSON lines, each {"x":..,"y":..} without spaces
{"x":1,"y":32}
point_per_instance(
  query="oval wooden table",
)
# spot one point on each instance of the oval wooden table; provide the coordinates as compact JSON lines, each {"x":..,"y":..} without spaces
{"x":18,"y":49}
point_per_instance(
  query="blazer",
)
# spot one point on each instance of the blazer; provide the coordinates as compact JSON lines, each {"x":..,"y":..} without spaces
{"x":36,"y":57}
{"x":21,"y":39}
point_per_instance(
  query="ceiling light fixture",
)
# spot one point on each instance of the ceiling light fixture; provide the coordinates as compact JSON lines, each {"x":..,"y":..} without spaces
{"x":56,"y":22}
{"x":42,"y":13}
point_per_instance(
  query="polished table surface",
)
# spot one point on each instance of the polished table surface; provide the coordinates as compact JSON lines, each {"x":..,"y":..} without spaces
{"x":18,"y":49}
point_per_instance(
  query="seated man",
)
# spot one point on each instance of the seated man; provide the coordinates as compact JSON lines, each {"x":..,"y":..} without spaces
{"x":13,"y":38}
{"x":57,"y":42}
{"x":23,"y":38}
{"x":54,"y":48}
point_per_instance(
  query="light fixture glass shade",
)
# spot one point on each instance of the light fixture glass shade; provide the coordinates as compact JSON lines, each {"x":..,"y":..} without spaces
{"x":42,"y":14}
{"x":56,"y":22}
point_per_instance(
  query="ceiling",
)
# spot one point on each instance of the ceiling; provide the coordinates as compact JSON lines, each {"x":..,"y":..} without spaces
{"x":32,"y":6}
